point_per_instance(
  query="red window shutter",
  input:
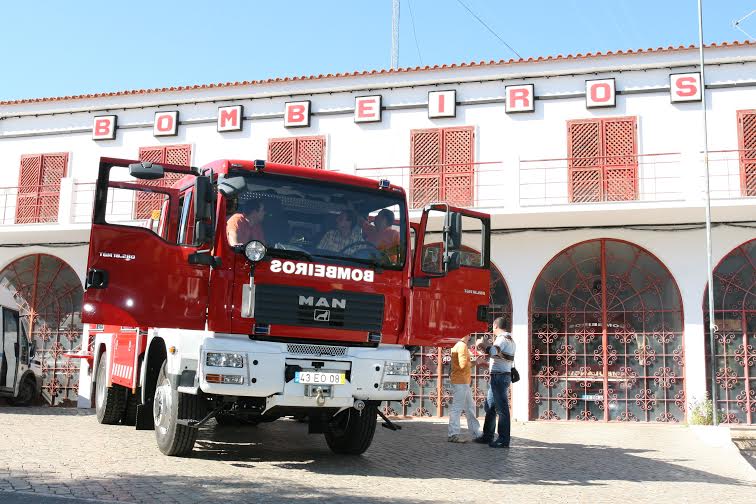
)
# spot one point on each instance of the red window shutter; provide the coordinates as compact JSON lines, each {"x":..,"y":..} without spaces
{"x":145,"y":203}
{"x":39,"y":187}
{"x":282,"y":150}
{"x":747,"y":147}
{"x":53,"y":170}
{"x":151,"y":154}
{"x":425,"y":160}
{"x":584,"y":148}
{"x":298,"y":151}
{"x":443,"y":169}
{"x":457,"y":179}
{"x":621,"y":159}
{"x":311,"y":152}
{"x":27,"y":206}
{"x":603,"y":162}
{"x":178,"y":154}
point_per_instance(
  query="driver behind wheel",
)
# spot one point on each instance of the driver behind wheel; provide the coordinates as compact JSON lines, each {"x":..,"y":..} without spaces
{"x":246,"y":224}
{"x":345,"y":234}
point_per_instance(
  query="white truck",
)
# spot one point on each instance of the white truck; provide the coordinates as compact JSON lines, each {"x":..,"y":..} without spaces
{"x":20,"y":379}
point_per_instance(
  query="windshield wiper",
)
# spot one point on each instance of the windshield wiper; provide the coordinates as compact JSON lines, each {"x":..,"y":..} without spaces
{"x":290,"y":254}
{"x":369,"y":262}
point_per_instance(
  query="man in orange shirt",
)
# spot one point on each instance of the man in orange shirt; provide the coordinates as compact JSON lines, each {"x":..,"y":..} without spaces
{"x":462,"y":398}
{"x":245,"y":226}
{"x":381,"y":234}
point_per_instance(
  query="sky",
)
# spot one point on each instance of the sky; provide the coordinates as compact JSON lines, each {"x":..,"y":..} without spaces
{"x":56,"y":48}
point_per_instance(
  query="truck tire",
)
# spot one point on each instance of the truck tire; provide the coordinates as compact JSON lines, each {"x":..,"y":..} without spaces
{"x":351,"y":432}
{"x":26,"y":392}
{"x":170,"y":406}
{"x":110,"y":403}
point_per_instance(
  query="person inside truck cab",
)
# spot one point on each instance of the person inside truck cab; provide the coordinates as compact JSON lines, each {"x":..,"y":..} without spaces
{"x":381,"y":234}
{"x":345,"y":233}
{"x":247,"y":224}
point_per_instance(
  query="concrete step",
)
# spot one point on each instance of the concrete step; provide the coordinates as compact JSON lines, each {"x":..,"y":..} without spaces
{"x":743,"y":433}
{"x":745,"y":444}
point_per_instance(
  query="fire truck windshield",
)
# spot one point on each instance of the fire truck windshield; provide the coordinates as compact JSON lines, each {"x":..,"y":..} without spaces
{"x":319,"y":221}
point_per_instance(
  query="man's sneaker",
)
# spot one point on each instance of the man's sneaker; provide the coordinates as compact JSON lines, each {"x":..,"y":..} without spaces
{"x":456,"y":439}
{"x":482,"y":440}
{"x":499,"y":443}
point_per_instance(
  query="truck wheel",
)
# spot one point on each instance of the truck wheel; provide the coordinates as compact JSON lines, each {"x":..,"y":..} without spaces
{"x":129,"y":414}
{"x":26,"y":392}
{"x":110,"y":403}
{"x":351,"y":433}
{"x":168,"y":407}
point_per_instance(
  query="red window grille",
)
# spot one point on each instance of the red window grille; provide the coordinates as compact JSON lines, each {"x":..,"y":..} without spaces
{"x":747,"y":147}
{"x":39,"y":187}
{"x":606,"y":333}
{"x":603,"y":159}
{"x":443,"y":167}
{"x":735,"y":319}
{"x":306,"y":151}
{"x":145,"y":203}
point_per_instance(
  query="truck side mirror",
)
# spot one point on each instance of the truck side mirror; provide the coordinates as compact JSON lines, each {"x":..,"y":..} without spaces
{"x":203,"y":233}
{"x":146,"y":171}
{"x":455,"y":230}
{"x":203,"y":199}
{"x":452,"y":241}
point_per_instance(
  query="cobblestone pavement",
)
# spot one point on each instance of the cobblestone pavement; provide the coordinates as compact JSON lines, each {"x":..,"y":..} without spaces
{"x":65,"y":452}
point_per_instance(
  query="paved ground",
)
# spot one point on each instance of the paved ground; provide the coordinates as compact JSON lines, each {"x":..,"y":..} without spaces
{"x":64,"y":452}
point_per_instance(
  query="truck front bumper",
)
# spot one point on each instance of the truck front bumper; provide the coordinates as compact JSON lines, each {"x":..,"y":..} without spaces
{"x":267,"y":370}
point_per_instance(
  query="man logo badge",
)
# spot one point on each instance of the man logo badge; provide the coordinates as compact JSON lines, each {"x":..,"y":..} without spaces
{"x":322,"y":315}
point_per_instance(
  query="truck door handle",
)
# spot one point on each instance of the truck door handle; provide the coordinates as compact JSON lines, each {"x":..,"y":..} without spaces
{"x":96,"y":279}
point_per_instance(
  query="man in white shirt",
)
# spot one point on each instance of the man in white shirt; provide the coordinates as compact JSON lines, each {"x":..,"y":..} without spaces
{"x":501,"y":358}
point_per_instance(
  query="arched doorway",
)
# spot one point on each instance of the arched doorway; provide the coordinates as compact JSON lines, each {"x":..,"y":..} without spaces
{"x":48,"y":293}
{"x":430,"y":391}
{"x":735,"y":337}
{"x":606,"y":337}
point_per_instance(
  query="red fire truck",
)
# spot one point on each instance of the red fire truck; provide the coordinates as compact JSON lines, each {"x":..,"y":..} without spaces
{"x":308,"y":317}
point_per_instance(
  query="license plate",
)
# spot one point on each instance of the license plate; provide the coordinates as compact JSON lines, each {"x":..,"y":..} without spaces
{"x":316,"y":377}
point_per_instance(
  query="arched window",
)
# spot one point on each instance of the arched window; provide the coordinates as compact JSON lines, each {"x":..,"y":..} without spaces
{"x":735,"y":337}
{"x":49,"y":293}
{"x":606,"y":337}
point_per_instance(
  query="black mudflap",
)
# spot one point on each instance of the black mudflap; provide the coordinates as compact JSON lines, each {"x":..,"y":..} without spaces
{"x":144,"y":419}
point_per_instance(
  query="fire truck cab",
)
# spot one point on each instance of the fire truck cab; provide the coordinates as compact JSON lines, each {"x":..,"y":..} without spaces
{"x":249,"y":291}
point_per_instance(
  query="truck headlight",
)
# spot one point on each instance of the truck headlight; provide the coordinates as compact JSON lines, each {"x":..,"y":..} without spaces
{"x":255,"y":251}
{"x":217,"y":359}
{"x":397,"y":368}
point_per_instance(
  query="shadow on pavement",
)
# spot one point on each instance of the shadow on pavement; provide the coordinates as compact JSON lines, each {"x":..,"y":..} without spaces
{"x":184,"y":489}
{"x":527,"y":462}
{"x":418,"y":451}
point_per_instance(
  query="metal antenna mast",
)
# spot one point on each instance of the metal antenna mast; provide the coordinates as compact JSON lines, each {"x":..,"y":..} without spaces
{"x":395,"y":34}
{"x":709,"y":263}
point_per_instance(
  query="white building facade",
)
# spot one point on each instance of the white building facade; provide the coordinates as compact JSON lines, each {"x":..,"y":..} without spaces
{"x":590,"y":165}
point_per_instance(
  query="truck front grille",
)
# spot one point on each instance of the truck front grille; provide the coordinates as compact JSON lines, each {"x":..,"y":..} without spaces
{"x":316,"y":350}
{"x":306,"y":307}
